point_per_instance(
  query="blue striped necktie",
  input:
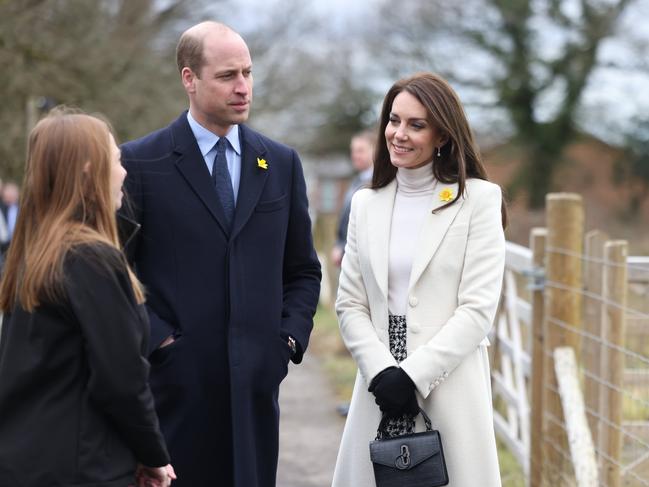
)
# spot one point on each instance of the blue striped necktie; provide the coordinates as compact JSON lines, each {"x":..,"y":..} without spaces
{"x":222,"y":181}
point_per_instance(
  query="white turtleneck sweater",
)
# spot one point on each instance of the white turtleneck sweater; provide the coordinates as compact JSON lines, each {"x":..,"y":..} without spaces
{"x":413,"y":200}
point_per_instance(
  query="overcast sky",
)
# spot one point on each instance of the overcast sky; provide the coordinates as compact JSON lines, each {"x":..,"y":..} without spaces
{"x":612,"y":98}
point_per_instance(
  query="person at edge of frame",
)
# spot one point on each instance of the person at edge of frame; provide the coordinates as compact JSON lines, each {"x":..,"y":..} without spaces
{"x":75,"y":403}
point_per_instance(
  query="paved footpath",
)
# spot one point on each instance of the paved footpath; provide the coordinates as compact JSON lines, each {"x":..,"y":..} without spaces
{"x":310,"y":428}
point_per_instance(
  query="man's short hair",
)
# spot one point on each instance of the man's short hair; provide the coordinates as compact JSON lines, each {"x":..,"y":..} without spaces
{"x":368,"y":135}
{"x":189,"y":53}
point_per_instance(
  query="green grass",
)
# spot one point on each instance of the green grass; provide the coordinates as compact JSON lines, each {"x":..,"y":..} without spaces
{"x":510,"y":471}
{"x":635,"y":408}
{"x":327,"y":344}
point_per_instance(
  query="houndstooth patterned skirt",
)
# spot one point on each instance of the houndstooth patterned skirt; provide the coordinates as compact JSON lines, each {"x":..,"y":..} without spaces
{"x":397,"y":330}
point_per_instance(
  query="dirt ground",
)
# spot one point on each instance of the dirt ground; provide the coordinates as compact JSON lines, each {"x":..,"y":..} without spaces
{"x":310,"y":428}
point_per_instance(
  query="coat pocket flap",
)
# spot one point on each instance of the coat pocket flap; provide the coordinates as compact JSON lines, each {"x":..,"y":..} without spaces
{"x":272,"y":205}
{"x":405,"y":452}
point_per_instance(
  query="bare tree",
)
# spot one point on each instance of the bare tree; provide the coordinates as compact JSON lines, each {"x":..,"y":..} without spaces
{"x":308,"y":90}
{"x":530,"y":61}
{"x":111,"y":56}
{"x":633,"y":169}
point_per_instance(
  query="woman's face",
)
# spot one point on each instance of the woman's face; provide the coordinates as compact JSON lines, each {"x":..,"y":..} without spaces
{"x":410,"y":136}
{"x":117,"y":173}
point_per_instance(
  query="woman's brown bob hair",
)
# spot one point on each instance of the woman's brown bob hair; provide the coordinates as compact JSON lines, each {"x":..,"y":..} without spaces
{"x":460,"y":158}
{"x":66,"y":201}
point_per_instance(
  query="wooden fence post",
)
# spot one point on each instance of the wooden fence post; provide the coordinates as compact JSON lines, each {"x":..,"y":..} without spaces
{"x":614,"y":285}
{"x":537,"y":245}
{"x":563,"y":298}
{"x":593,"y":270}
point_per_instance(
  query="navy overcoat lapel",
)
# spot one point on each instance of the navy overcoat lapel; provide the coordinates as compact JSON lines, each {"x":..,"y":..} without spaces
{"x":253,"y":177}
{"x":191,"y":164}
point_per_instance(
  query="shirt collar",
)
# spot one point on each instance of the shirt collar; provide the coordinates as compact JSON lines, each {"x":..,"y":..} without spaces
{"x":206,"y":139}
{"x":366,"y":175}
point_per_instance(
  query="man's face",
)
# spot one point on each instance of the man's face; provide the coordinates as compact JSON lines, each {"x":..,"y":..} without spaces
{"x":221,"y":96}
{"x":10,"y":194}
{"x":361,"y":152}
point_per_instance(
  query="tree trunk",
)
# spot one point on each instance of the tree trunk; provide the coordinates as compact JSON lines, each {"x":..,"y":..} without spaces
{"x":541,"y":167}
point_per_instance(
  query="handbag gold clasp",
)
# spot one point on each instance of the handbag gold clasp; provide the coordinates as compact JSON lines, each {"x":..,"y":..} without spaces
{"x":403,"y":461}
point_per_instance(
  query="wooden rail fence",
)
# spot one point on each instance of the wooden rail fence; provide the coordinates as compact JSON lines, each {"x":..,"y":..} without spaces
{"x":582,"y":291}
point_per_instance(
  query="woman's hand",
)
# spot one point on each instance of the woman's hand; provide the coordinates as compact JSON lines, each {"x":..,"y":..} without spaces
{"x":394,"y":392}
{"x":154,"y":476}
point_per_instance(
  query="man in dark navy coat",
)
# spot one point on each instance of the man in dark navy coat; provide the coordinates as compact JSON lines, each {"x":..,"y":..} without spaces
{"x":226,"y":255}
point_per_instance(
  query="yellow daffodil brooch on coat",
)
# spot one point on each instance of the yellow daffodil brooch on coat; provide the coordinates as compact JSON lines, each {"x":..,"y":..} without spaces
{"x":446,"y":195}
{"x":262,"y":163}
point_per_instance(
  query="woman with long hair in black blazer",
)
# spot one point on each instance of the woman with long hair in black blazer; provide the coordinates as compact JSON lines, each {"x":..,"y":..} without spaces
{"x":75,"y":403}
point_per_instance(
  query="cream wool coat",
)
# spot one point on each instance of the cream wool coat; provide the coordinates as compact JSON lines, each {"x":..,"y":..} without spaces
{"x":453,"y":294}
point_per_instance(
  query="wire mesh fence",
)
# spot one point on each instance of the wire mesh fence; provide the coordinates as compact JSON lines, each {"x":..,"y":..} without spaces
{"x":585,"y":292}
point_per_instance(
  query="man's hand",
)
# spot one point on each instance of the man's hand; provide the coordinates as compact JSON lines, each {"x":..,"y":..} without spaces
{"x":336,"y":255}
{"x":154,"y":476}
{"x":167,"y":341}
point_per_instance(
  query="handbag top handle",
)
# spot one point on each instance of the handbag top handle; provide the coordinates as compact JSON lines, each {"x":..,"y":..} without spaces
{"x":381,"y":433}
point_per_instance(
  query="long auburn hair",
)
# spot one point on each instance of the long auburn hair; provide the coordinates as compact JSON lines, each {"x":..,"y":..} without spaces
{"x":460,"y":158}
{"x":66,"y":201}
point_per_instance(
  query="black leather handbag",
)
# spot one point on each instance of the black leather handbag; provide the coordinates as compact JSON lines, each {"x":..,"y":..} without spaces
{"x":414,"y":460}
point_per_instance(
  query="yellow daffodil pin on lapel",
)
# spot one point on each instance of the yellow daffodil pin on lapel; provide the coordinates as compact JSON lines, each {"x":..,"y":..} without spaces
{"x":262,"y":163}
{"x":446,"y":195}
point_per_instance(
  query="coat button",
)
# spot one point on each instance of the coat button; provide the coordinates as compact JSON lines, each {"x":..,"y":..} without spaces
{"x":413,"y":301}
{"x":414,"y":327}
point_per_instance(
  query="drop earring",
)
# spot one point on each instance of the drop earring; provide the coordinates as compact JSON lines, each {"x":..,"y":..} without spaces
{"x":439,"y":152}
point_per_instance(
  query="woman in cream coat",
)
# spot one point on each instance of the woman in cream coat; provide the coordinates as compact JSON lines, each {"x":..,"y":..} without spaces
{"x":420,"y":284}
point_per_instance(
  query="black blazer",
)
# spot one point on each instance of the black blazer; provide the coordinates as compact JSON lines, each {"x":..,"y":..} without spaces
{"x":75,"y":404}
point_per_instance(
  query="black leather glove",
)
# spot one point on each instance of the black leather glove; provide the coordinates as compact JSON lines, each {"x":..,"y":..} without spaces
{"x":394,"y":392}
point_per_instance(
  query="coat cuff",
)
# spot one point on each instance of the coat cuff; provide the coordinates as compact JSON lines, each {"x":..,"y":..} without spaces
{"x":160,"y":331}
{"x":148,"y":447}
{"x":423,"y":381}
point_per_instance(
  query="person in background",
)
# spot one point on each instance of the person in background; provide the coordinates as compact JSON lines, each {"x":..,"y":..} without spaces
{"x":9,"y":209}
{"x":75,"y":404}
{"x":226,"y":254}
{"x":4,"y":232}
{"x":361,"y":153}
{"x":419,"y":287}
{"x":4,"y":235}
